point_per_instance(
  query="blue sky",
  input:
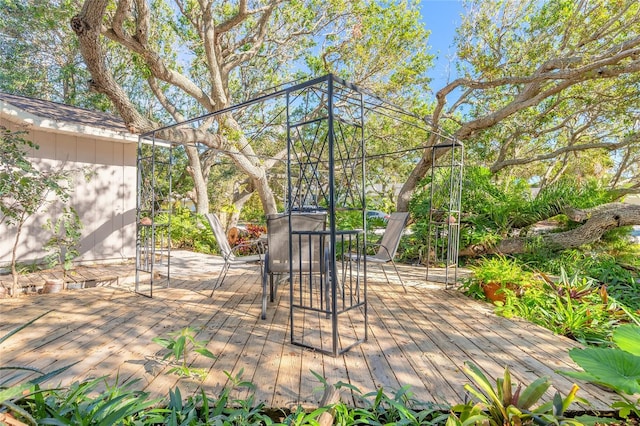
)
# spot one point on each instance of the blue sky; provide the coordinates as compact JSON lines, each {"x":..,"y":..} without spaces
{"x":442,"y":17}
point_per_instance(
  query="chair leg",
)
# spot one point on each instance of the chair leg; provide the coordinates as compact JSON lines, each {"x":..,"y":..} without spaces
{"x":385,"y":273}
{"x":221,"y":277}
{"x":265,"y":275}
{"x":273,"y":288}
{"x":399,"y":277}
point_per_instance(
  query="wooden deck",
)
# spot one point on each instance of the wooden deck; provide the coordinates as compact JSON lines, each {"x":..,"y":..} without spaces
{"x":420,"y":338}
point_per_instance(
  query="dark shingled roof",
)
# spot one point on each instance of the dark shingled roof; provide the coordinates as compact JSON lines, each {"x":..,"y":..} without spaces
{"x":65,"y":113}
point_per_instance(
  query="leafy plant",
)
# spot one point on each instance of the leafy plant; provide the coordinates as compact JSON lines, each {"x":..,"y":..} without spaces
{"x":63,"y":245}
{"x":83,"y":404}
{"x":617,"y":368}
{"x":188,"y":231}
{"x":377,"y":408}
{"x":245,"y":239}
{"x":203,"y":409}
{"x":495,"y":277}
{"x":24,"y":189}
{"x":574,"y":306}
{"x":502,"y":270}
{"x":617,"y":268}
{"x":507,"y":404}
{"x":179,"y":345}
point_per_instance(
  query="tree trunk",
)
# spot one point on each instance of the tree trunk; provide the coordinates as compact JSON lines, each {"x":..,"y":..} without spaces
{"x":14,"y":270}
{"x":199,"y":181}
{"x":266,"y":194}
{"x":240,"y":198}
{"x":600,"y":220}
{"x":404,"y":197}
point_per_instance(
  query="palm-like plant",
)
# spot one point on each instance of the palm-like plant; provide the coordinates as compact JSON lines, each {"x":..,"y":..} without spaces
{"x":507,"y":404}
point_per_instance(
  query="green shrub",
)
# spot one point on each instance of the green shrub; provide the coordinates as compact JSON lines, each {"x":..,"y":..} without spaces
{"x":507,"y":404}
{"x":576,"y":306}
{"x":615,"y":266}
{"x":573,"y":306}
{"x":188,"y":231}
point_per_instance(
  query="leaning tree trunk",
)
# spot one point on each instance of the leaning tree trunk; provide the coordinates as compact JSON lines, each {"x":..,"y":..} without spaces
{"x":595,"y":223}
{"x":404,"y":197}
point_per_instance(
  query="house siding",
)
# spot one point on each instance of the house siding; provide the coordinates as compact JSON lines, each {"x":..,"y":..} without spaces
{"x":103,"y":193}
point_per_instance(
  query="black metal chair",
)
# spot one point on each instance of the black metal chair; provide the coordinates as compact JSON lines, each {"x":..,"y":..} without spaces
{"x":306,"y":249}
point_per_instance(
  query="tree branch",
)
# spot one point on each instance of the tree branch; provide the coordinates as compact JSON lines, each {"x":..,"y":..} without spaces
{"x":599,"y":220}
{"x":634,"y":138}
{"x":87,"y":26}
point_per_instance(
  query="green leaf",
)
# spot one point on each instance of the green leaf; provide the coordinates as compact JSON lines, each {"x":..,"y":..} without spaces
{"x":480,"y":380}
{"x":205,"y":352}
{"x":23,"y":326}
{"x":14,"y":391}
{"x":165,"y":343}
{"x":627,"y":337}
{"x":178,"y":348}
{"x":21,"y":411}
{"x":610,"y":367}
{"x":533,"y":392}
{"x":507,"y":395}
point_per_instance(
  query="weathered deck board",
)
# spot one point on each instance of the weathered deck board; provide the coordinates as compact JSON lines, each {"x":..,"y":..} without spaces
{"x":419,"y":338}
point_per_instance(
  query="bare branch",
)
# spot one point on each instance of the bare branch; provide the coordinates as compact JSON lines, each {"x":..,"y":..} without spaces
{"x":166,"y":104}
{"x":254,"y":40}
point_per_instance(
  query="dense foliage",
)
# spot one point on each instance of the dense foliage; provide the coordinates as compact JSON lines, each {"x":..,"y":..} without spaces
{"x":188,"y":231}
{"x":576,"y":305}
{"x":496,"y":209}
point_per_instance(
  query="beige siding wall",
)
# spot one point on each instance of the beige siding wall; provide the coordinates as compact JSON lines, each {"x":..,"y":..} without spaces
{"x":103,"y":194}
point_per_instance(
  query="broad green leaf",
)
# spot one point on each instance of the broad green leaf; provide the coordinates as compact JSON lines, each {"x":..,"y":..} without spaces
{"x":178,"y":348}
{"x":507,"y":394}
{"x":165,"y":343}
{"x":480,"y":380}
{"x":627,"y":337}
{"x":613,"y":368}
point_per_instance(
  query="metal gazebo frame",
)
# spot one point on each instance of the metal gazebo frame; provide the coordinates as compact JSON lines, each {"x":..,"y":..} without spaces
{"x":326,"y":171}
{"x":445,"y":199}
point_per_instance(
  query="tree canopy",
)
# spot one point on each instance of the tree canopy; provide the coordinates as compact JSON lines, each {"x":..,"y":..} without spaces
{"x":203,"y":56}
{"x":545,"y":89}
{"x":542,"y":89}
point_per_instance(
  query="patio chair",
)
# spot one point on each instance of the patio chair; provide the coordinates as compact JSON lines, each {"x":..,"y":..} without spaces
{"x":388,"y":246}
{"x":230,"y":254}
{"x":306,"y":249}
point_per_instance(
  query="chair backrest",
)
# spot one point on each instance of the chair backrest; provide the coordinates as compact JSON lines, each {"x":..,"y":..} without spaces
{"x":306,"y":249}
{"x":221,"y":236}
{"x":391,"y":237}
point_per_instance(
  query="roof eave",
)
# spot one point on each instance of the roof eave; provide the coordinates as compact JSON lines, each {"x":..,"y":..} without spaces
{"x":31,"y":121}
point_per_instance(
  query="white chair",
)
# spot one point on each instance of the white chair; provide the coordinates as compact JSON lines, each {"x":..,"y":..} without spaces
{"x":230,"y":254}
{"x":388,"y":246}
